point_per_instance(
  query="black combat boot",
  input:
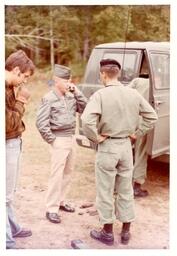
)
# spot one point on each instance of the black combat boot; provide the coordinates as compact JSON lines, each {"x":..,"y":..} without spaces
{"x":138,"y":191}
{"x":105,"y":235}
{"x":125,"y":233}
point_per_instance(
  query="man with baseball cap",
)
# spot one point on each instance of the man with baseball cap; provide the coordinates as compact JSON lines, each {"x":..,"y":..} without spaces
{"x":56,"y":124}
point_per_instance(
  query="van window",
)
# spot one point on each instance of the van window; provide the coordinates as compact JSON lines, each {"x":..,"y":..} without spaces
{"x":128,"y":61}
{"x":161,"y":70}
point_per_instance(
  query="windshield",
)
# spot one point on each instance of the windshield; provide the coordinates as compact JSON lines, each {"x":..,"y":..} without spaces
{"x":128,"y":61}
{"x":161,"y":70}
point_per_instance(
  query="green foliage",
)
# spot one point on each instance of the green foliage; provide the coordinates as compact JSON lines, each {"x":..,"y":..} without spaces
{"x":75,"y":30}
{"x":112,"y":23}
{"x":150,"y":23}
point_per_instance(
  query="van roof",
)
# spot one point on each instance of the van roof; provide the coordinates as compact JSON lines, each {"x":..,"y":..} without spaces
{"x":136,"y":45}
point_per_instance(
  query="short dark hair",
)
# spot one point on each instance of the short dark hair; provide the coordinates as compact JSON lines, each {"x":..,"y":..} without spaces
{"x":21,"y":60}
{"x":110,"y":62}
{"x":110,"y":67}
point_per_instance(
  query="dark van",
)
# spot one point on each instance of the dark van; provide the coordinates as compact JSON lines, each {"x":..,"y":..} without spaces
{"x":150,"y":60}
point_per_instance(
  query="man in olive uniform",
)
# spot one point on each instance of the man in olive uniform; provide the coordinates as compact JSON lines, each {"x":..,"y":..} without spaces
{"x":111,"y":119}
{"x":140,"y":146}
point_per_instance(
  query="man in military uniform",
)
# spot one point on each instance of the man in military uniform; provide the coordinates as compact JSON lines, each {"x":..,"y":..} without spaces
{"x":111,"y":119}
{"x":140,"y":145}
{"x":56,"y":123}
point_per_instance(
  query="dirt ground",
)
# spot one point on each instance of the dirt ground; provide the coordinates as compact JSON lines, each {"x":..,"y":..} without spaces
{"x":150,"y":230}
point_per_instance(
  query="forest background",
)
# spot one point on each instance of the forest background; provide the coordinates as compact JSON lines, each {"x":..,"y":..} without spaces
{"x":67,"y":34}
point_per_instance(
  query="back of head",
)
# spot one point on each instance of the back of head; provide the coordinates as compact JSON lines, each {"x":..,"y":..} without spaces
{"x":111,"y":67}
{"x":21,"y":60}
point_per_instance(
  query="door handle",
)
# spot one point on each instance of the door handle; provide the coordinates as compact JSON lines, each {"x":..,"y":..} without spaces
{"x":158,"y":102}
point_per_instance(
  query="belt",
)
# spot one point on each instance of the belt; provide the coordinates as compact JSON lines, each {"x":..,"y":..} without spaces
{"x":110,"y":137}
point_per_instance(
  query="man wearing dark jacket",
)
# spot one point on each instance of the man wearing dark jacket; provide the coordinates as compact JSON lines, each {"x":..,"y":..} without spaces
{"x":18,"y":67}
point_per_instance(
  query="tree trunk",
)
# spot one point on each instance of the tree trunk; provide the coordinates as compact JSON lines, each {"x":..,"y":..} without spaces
{"x":86,"y":40}
{"x":51,"y":41}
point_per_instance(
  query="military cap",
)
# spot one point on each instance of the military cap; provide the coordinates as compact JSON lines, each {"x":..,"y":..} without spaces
{"x":62,"y":71}
{"x":110,"y":63}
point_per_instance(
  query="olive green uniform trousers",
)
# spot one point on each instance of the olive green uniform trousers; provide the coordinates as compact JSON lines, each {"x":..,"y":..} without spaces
{"x":141,"y":157}
{"x":114,"y":168}
{"x":140,"y":165}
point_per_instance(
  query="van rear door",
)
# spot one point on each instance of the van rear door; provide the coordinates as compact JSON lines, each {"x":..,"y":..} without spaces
{"x":129,"y":59}
{"x":158,"y":140}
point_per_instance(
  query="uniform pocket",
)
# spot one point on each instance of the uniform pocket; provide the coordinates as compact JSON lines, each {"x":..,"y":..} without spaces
{"x":106,"y":161}
{"x":108,"y":147}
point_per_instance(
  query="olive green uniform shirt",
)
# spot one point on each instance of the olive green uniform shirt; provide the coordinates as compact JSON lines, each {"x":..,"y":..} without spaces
{"x":141,"y":85}
{"x":114,"y":111}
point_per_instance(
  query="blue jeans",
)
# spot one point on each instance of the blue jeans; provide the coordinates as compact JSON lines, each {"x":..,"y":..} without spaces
{"x":13,"y":150}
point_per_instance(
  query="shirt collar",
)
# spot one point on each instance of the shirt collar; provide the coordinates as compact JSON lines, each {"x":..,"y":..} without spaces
{"x":115,"y":84}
